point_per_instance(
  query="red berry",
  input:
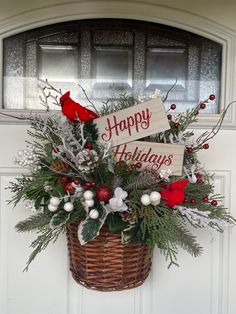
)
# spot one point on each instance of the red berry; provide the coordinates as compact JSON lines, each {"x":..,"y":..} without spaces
{"x":205,"y":199}
{"x":89,"y":146}
{"x":69,"y":188}
{"x":133,"y":166}
{"x":190,"y":150}
{"x":176,"y":125}
{"x":193,"y":201}
{"x":138,"y":165}
{"x":77,"y":181}
{"x":196,"y":113}
{"x":200,"y":177}
{"x":185,"y":200}
{"x":214,"y":203}
{"x":56,"y":149}
{"x":63,"y":180}
{"x":169,"y":116}
{"x":202,"y":106}
{"x":104,"y":193}
{"x":93,"y":183}
{"x":205,"y":146}
{"x":173,"y":106}
{"x":88,"y":184}
{"x":212,"y":97}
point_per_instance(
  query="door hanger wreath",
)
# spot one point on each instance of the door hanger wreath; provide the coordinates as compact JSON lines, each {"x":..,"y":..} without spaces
{"x":118,"y":182}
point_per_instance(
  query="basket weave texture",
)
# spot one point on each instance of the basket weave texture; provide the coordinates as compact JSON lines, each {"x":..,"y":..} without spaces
{"x":105,"y":264}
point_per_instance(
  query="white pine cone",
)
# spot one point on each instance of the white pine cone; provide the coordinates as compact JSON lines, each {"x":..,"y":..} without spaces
{"x":86,"y":160}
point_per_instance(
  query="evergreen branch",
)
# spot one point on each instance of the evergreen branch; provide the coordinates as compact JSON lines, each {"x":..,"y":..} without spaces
{"x":33,"y":222}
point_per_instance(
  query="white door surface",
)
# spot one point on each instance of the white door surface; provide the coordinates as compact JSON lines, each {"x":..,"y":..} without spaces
{"x":204,"y":285}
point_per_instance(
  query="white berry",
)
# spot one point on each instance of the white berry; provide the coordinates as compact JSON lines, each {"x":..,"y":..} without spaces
{"x":55,"y":201}
{"x":89,"y":203}
{"x":68,"y":207}
{"x":93,"y":214}
{"x":145,"y":199}
{"x":88,"y":195}
{"x":155,"y":198}
{"x":52,"y":208}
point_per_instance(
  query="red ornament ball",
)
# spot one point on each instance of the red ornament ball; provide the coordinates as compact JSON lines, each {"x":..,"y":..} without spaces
{"x":212,"y":97}
{"x":202,"y":106}
{"x":63,"y":180}
{"x":69,"y":188}
{"x":190,"y":150}
{"x":173,"y":106}
{"x":205,"y":146}
{"x":193,"y":201}
{"x":103,"y":193}
{"x":214,"y":203}
{"x":205,"y":199}
{"x":77,"y":181}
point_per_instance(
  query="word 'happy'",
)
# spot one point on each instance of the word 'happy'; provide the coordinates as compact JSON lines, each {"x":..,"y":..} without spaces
{"x":138,"y":121}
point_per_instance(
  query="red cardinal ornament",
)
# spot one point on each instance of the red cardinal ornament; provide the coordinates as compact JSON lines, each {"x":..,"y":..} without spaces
{"x":173,"y":193}
{"x":74,"y":111}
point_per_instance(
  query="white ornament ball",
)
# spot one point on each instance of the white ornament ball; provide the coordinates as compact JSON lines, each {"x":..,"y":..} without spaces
{"x":93,"y":214}
{"x":88,"y":195}
{"x":145,"y":199}
{"x":68,"y":207}
{"x":52,"y":208}
{"x":155,"y":198}
{"x":55,"y":201}
{"x":89,"y":203}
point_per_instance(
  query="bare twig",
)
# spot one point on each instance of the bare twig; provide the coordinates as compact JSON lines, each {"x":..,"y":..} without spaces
{"x":167,"y":94}
{"x":15,"y":117}
{"x":85,"y":94}
{"x":47,"y":94}
{"x":206,"y":136}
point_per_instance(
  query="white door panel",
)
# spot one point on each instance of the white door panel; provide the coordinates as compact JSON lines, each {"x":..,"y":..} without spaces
{"x":204,"y":285}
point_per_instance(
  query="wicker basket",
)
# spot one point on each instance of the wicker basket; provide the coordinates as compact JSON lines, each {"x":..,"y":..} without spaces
{"x":105,"y":264}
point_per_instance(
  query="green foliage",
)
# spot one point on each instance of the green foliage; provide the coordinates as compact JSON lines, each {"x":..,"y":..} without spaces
{"x":90,"y":229}
{"x":123,"y":102}
{"x":59,"y":219}
{"x":34,"y":222}
{"x":115,"y":223}
{"x":165,"y":230}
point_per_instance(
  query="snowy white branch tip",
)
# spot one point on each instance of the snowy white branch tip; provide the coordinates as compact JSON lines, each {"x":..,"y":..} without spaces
{"x":201,"y":219}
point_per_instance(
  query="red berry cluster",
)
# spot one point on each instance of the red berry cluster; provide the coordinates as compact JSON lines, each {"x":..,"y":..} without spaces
{"x":88,"y":184}
{"x":206,"y":200}
{"x":137,"y":165}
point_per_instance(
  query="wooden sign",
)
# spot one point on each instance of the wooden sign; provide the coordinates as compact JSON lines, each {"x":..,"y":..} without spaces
{"x":135,"y":122}
{"x":153,"y":156}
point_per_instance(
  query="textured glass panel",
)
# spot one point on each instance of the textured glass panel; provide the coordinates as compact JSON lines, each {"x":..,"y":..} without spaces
{"x":109,"y":57}
{"x":164,"y":66}
{"x":113,"y":66}
{"x":58,"y":63}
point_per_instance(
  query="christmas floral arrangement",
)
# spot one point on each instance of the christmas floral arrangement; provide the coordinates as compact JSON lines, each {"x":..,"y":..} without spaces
{"x":76,"y":177}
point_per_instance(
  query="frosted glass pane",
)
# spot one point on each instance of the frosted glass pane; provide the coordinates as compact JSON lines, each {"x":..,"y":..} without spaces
{"x":113,"y":65}
{"x":164,"y":66}
{"x":58,"y":63}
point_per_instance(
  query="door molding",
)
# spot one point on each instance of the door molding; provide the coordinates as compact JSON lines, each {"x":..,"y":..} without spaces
{"x":140,"y":11}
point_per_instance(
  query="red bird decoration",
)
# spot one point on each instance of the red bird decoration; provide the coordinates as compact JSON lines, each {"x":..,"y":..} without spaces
{"x":173,"y":193}
{"x":74,"y":111}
